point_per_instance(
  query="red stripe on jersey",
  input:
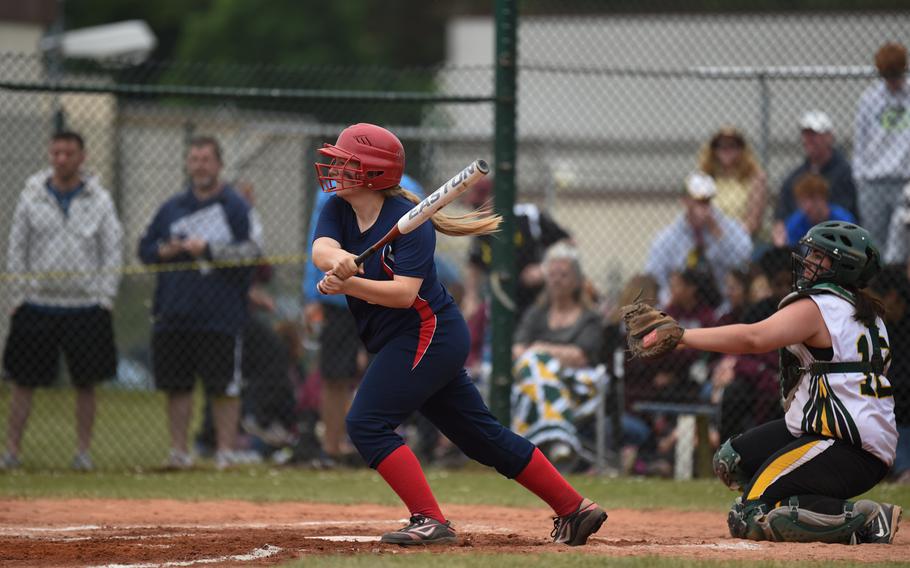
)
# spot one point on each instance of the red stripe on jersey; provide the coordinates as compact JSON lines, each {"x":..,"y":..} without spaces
{"x":427,"y":329}
{"x":385,"y":266}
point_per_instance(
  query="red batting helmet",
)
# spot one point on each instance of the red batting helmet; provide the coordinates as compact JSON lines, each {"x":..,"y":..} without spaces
{"x":365,"y":155}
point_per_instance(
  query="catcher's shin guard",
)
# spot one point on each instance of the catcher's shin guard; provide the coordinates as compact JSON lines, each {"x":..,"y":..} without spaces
{"x":726,"y":467}
{"x":754,"y":521}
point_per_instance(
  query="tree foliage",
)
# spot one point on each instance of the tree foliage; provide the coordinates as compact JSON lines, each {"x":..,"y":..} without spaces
{"x":286,"y":32}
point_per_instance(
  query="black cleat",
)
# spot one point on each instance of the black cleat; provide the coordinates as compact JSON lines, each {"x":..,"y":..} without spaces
{"x":882,"y":528}
{"x":421,"y":530}
{"x":575,"y":529}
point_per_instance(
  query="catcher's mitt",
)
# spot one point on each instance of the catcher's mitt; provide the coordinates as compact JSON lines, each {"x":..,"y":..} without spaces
{"x":651,"y":332}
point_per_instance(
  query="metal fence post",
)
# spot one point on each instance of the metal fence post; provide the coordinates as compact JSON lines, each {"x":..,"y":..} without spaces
{"x":503,"y":269}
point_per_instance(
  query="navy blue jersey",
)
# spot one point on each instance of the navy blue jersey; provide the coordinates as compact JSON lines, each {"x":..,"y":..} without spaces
{"x":408,"y":255}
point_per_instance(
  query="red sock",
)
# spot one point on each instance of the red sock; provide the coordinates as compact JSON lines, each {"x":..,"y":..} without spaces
{"x":402,"y":472}
{"x":541,"y":478}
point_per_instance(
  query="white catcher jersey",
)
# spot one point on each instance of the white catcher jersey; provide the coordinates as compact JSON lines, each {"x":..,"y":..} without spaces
{"x":855,"y":407}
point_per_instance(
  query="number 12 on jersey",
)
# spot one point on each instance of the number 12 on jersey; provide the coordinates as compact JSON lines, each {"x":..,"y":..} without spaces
{"x":872,"y":385}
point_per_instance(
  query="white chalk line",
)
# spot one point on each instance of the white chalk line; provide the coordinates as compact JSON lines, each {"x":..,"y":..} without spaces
{"x":120,"y":537}
{"x":25,"y":531}
{"x":701,"y":546}
{"x":346,"y":538}
{"x":724,"y":545}
{"x":257,"y":554}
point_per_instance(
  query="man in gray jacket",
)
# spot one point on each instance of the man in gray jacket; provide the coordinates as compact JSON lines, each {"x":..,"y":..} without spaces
{"x":65,"y":249}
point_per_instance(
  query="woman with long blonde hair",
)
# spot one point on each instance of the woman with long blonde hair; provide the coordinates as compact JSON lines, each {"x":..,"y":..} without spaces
{"x":408,"y":320}
{"x":742,"y":186}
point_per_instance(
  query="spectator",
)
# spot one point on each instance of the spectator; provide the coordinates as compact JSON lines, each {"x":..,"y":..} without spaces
{"x":64,"y":223}
{"x":775,"y":268}
{"x":736,"y":297}
{"x":742,"y":190}
{"x":693,"y":297}
{"x":693,"y":300}
{"x":813,"y":207}
{"x":701,"y":237}
{"x":266,"y":392}
{"x":881,"y":141}
{"x":267,"y":397}
{"x":564,"y":335}
{"x":307,"y":449}
{"x":723,"y":371}
{"x":561,"y":313}
{"x":893,"y":289}
{"x":200,"y":313}
{"x":817,"y":136}
{"x":898,"y":243}
{"x":535,"y":232}
{"x":677,"y":376}
{"x":630,"y":378}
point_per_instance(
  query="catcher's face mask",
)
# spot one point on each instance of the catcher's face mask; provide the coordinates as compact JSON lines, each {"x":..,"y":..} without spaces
{"x":811,"y":265}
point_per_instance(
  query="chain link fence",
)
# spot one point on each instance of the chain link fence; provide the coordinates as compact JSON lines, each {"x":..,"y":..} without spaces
{"x":613,"y":113}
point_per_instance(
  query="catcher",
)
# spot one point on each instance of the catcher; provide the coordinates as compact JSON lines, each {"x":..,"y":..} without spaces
{"x":838,"y":436}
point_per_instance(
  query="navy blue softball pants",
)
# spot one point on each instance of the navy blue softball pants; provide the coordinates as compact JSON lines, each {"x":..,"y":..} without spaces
{"x":440,"y":389}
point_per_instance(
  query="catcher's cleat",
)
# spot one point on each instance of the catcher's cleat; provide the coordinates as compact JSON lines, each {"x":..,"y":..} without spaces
{"x":575,"y":529}
{"x":882,"y":528}
{"x":421,"y":530}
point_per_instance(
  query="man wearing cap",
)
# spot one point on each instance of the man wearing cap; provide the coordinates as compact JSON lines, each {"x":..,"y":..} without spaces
{"x":881,"y":141}
{"x":701,"y":237}
{"x":822,"y":158}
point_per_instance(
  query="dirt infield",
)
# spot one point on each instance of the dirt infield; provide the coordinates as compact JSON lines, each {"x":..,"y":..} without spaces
{"x":157,"y":532}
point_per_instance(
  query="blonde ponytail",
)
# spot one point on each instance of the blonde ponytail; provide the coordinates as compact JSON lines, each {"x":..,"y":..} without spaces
{"x":469,"y":224}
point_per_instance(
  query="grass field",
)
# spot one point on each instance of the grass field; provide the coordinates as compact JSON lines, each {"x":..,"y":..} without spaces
{"x":466,"y":487}
{"x":130,"y":429}
{"x":131,"y":440}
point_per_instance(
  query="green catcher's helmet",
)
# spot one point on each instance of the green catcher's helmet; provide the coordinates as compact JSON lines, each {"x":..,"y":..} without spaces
{"x":854,"y":257}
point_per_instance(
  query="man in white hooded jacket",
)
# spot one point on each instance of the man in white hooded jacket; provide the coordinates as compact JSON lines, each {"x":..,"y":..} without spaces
{"x":64,"y":256}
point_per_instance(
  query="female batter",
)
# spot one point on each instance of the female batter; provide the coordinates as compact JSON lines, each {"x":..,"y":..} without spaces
{"x":838,"y":437}
{"x":420,"y":341}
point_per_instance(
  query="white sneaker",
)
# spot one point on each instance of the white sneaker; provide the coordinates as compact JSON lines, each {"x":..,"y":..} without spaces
{"x":228,"y":458}
{"x":560,"y":451}
{"x":9,"y":462}
{"x":178,"y":460}
{"x":82,"y":462}
{"x":275,"y":435}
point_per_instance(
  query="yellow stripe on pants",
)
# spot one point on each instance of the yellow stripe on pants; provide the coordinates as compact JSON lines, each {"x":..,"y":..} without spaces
{"x":777,"y":467}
